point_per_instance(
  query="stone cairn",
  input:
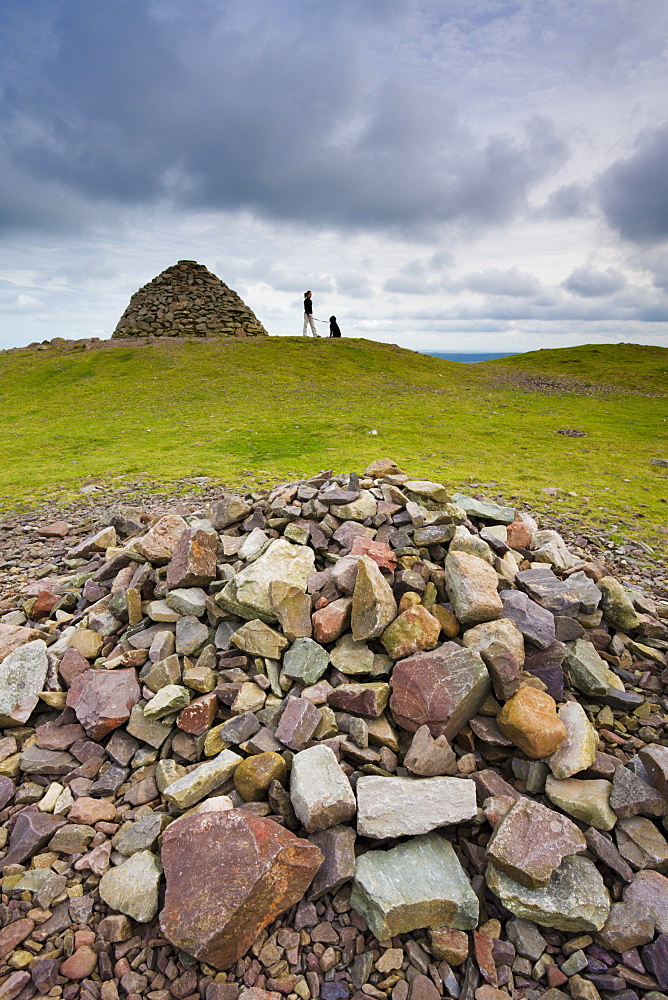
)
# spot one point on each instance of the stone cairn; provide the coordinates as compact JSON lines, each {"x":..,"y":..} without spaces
{"x":187,"y":300}
{"x":354,"y":737}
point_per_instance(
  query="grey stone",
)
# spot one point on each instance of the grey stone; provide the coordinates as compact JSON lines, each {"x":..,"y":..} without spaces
{"x":630,"y":795}
{"x":374,"y":606}
{"x":338,"y":847}
{"x":305,"y":661}
{"x":650,"y":889}
{"x":256,"y":638}
{"x":534,"y":622}
{"x":472,"y":587}
{"x":526,"y":937}
{"x":483,"y":509}
{"x":641,"y":843}
{"x":189,"y":601}
{"x":589,"y":673}
{"x":562,"y":597}
{"x":419,"y":883}
{"x":248,"y":594}
{"x":132,"y":888}
{"x":147,"y":730}
{"x":319,"y":790}
{"x":575,"y":899}
{"x":169,"y":699}
{"x":22,"y":677}
{"x":351,"y":657}
{"x":191,"y":635}
{"x":404,"y":807}
{"x":142,"y":835}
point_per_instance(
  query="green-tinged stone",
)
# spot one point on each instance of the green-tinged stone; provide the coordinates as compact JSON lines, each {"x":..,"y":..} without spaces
{"x":464,"y":541}
{"x":254,"y":775}
{"x":169,"y":699}
{"x":616,"y":605}
{"x":248,"y":593}
{"x":374,"y":606}
{"x":433,"y":496}
{"x":132,"y":888}
{"x":414,"y":630}
{"x":214,"y":743}
{"x":575,"y":899}
{"x":258,"y":639}
{"x":22,"y":677}
{"x":351,"y":657}
{"x":305,"y":661}
{"x":147,"y":730}
{"x":588,"y":800}
{"x":196,"y":785}
{"x":187,"y":601}
{"x":162,"y":673}
{"x":485,"y":510}
{"x":589,"y":672}
{"x":142,"y":835}
{"x":357,"y":510}
{"x":168,"y":771}
{"x":420,"y":883}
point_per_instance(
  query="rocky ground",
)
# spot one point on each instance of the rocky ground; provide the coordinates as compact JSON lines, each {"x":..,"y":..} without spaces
{"x":353,"y":737}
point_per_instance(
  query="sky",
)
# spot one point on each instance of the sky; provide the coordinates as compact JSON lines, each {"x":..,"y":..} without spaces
{"x":447,"y":175}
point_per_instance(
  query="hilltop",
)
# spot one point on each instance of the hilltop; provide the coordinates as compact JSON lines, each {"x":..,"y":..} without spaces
{"x":253,"y":411}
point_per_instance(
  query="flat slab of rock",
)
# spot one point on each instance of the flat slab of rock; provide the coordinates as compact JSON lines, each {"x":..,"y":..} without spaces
{"x":441,"y":689}
{"x":531,"y":841}
{"x":485,"y":510}
{"x":472,"y":587}
{"x":248,"y":594}
{"x":420,"y":883}
{"x":405,"y":807}
{"x":534,"y":622}
{"x":258,"y":639}
{"x":103,"y":699}
{"x":319,"y":790}
{"x":132,"y":888}
{"x":22,"y":677}
{"x":575,"y":899}
{"x":562,"y":597}
{"x":159,"y":542}
{"x":229,"y":874}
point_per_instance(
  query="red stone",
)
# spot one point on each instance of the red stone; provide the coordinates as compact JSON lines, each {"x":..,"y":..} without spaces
{"x":361,"y":699}
{"x":193,"y":563}
{"x":103,"y":699}
{"x":519,"y":535}
{"x":79,"y":965}
{"x":71,"y":665}
{"x":381,"y":553}
{"x":53,"y":737}
{"x":199,"y":715}
{"x":13,"y":934}
{"x":45,"y":602}
{"x":56,"y":529}
{"x":332,"y":620}
{"x":228,"y":875}
{"x":30,"y":832}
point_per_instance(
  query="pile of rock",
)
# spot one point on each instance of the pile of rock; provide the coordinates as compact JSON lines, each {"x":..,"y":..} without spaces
{"x":354,"y":737}
{"x":187,"y":300}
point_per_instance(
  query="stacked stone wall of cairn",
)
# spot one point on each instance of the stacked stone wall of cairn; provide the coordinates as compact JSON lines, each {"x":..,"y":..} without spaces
{"x":187,"y":300}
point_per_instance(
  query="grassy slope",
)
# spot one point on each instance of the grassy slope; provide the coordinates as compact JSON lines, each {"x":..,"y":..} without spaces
{"x":281,"y":406}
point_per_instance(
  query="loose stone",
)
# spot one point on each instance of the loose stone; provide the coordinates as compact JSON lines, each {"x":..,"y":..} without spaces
{"x":319,"y":790}
{"x":400,"y":807}
{"x":530,"y":720}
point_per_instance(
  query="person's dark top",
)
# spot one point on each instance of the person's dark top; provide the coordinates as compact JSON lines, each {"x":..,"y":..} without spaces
{"x":334,"y":328}
{"x":308,"y":307}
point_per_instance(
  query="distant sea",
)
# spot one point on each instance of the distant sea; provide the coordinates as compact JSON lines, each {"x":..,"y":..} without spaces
{"x":468,"y":359}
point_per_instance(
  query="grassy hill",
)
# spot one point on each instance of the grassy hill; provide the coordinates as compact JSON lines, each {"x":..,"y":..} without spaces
{"x":260,"y":410}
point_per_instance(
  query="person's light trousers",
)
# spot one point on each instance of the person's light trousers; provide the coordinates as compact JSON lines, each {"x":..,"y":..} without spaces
{"x":309,"y":321}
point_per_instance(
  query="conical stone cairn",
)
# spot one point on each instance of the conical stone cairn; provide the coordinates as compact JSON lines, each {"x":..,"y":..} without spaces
{"x":187,"y":300}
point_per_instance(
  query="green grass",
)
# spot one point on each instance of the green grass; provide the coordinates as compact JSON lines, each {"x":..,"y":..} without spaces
{"x":264,"y":410}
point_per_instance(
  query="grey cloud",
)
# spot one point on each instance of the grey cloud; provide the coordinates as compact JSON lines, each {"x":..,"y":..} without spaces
{"x":567,"y":202}
{"x":590,"y":282}
{"x":356,"y":285}
{"x":513,"y":282}
{"x":634,"y":191}
{"x":280,"y":108}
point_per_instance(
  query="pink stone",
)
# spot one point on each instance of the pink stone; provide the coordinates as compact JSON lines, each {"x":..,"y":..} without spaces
{"x":381,"y":553}
{"x":330,"y":622}
{"x":71,"y":665}
{"x":441,"y":689}
{"x":519,"y":535}
{"x":79,"y":965}
{"x":103,"y":699}
{"x":13,"y":636}
{"x":90,"y":811}
{"x":299,"y":721}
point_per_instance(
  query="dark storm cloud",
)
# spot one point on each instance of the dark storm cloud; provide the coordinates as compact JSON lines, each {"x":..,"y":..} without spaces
{"x":634,"y":191}
{"x":282,"y":108}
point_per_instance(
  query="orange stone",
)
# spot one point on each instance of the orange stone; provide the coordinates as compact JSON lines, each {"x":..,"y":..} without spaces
{"x":530,"y":720}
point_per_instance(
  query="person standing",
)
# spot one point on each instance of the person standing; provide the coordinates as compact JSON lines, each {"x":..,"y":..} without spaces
{"x":334,"y":327}
{"x":308,"y":316}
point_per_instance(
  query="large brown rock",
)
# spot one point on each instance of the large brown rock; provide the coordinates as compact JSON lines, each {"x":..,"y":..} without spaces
{"x":103,"y":699}
{"x":193,"y":562}
{"x":442,"y":689}
{"x":472,"y":587}
{"x":229,"y":874}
